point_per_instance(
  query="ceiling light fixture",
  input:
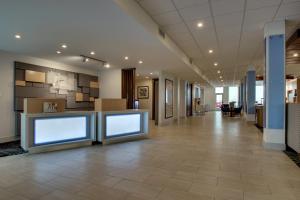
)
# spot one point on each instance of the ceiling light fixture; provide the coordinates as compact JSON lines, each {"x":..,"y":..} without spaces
{"x":200,"y":24}
{"x":64,"y":46}
{"x":58,"y":52}
{"x":126,"y":57}
{"x":219,"y":71}
{"x":147,"y":77}
{"x":222,"y":80}
{"x":18,"y":36}
{"x":107,"y":65}
{"x":210,"y":51}
{"x":140,"y":62}
{"x":221,"y":77}
{"x":87,"y":58}
{"x":151,"y":73}
{"x":215,"y":64}
{"x":92,"y":52}
{"x":295,"y":55}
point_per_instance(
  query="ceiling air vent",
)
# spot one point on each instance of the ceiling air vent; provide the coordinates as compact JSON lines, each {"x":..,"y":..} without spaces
{"x":161,"y":33}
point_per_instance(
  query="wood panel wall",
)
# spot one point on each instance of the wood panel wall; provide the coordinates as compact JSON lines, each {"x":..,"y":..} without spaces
{"x":128,"y":86}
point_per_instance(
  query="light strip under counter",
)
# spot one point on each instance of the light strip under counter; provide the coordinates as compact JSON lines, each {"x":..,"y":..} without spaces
{"x":54,"y":131}
{"x":117,"y":126}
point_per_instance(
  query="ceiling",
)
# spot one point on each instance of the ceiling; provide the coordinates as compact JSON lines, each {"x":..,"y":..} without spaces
{"x":233,"y":29}
{"x":90,"y":25}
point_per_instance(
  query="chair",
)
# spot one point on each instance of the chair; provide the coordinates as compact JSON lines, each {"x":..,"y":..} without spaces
{"x":238,"y":110}
{"x":225,"y":109}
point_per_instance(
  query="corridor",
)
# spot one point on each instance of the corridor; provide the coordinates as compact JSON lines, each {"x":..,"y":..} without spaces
{"x":203,"y":157}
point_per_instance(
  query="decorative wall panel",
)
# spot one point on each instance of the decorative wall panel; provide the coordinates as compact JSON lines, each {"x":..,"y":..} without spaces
{"x":35,"y":76}
{"x":34,"y":81}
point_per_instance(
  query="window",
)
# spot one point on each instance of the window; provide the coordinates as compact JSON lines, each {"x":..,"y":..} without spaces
{"x":219,"y":90}
{"x":259,"y":94}
{"x":234,"y":94}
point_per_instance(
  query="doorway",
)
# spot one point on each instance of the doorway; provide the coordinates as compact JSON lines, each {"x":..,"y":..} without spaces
{"x":189,"y":98}
{"x":155,"y":100}
{"x":219,"y":100}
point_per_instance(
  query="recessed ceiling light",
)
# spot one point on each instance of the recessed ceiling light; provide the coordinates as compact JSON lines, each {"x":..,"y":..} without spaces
{"x":146,"y":77}
{"x":126,"y":57}
{"x":151,"y":73}
{"x":210,"y":51}
{"x":92,"y":52}
{"x":295,"y":55}
{"x":200,"y":24}
{"x":219,"y":71}
{"x":18,"y":36}
{"x":64,"y":46}
{"x":215,"y":64}
{"x":140,"y":62}
{"x":107,"y":65}
{"x":85,"y":60}
{"x":221,"y":77}
{"x":58,"y":52}
{"x":137,"y":75}
{"x":222,"y":80}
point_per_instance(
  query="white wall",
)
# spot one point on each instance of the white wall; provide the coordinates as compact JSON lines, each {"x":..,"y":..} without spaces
{"x":210,"y":97}
{"x":161,"y":118}
{"x":7,"y":122}
{"x":226,"y":95}
{"x":110,"y":83}
{"x":182,"y":98}
{"x":145,"y":103}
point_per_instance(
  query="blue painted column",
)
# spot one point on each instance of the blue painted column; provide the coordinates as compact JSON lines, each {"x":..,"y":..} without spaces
{"x":274,"y":131}
{"x":241,"y":98}
{"x":250,"y":94}
{"x":244,"y":95}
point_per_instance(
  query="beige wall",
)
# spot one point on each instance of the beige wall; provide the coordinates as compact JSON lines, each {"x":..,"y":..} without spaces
{"x":145,"y":103}
{"x":110,"y":83}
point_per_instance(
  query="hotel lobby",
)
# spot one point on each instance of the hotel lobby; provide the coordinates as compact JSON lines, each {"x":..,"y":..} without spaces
{"x":150,"y":100}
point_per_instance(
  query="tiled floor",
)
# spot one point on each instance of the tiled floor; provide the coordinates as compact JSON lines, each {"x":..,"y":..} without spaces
{"x":207,"y":157}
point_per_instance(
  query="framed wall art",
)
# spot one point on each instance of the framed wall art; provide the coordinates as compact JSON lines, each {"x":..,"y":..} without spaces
{"x":168,"y":98}
{"x":143,"y":92}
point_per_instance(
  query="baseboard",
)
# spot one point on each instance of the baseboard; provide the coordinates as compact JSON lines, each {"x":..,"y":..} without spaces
{"x":9,"y":139}
{"x":274,"y":139}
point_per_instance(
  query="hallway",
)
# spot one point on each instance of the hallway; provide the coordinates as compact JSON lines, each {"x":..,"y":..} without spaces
{"x":205,"y":157}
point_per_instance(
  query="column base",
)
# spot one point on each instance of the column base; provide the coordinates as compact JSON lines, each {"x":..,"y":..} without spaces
{"x":274,"y":139}
{"x":250,"y":117}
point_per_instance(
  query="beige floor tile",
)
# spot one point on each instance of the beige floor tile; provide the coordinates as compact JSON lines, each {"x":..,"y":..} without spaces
{"x":138,"y":189}
{"x":201,"y":157}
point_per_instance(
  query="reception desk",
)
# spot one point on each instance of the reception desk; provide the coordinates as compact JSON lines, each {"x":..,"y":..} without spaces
{"x":54,"y":131}
{"x":293,"y":126}
{"x":42,"y":131}
{"x":117,"y":126}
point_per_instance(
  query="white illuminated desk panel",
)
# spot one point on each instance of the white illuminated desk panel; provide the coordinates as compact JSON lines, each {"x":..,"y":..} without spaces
{"x":116,"y":126}
{"x":53,"y":131}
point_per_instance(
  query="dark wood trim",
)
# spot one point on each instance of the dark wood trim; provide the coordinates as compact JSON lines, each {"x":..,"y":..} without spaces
{"x":153,"y":98}
{"x":128,"y":86}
